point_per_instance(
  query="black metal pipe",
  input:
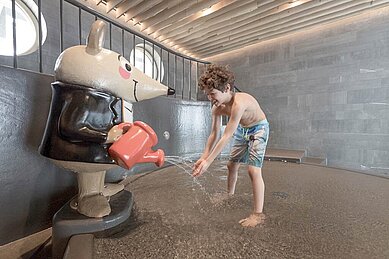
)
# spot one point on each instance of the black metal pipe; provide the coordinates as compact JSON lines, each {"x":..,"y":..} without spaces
{"x":144,"y":56}
{"x":183,"y":78}
{"x":175,"y":74}
{"x":40,"y":35}
{"x":160,"y":65}
{"x":197,"y":76}
{"x":123,"y":43}
{"x":110,"y":36}
{"x":79,"y":26}
{"x":14,"y":33}
{"x":168,"y":69}
{"x":133,"y":48}
{"x":153,"y":61}
{"x":190,"y":79}
{"x":61,"y":25}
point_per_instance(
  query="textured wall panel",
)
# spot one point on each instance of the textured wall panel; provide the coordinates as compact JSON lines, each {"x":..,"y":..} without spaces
{"x":325,"y":90}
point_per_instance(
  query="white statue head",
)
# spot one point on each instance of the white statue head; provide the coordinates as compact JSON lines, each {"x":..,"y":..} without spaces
{"x":93,"y":66}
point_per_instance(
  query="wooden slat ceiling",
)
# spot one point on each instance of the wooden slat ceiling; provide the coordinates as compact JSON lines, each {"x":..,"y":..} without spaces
{"x":205,"y":28}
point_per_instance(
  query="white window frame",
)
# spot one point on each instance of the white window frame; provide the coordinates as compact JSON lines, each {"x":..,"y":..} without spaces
{"x":159,"y":69}
{"x":30,"y":10}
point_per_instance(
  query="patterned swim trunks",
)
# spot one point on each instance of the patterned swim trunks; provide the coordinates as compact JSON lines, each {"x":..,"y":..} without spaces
{"x":249,"y":144}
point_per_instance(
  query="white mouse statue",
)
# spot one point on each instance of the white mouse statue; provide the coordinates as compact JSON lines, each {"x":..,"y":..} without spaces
{"x":92,"y":85}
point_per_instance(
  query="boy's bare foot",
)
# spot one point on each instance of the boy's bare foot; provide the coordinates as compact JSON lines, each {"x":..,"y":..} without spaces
{"x":253,"y":220}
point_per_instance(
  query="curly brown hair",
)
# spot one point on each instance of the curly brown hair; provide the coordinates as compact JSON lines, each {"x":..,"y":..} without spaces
{"x":216,"y":77}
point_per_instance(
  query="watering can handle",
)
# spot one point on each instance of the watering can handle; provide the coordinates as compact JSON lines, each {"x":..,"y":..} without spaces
{"x":125,"y":126}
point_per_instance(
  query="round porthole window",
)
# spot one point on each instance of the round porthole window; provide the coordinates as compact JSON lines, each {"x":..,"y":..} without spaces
{"x":144,"y":59}
{"x":27,"y":27}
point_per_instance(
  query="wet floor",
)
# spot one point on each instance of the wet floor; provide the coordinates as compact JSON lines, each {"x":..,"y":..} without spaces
{"x":312,"y":212}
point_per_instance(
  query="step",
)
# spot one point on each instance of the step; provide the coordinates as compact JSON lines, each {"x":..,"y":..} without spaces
{"x":286,"y":155}
{"x":314,"y":161}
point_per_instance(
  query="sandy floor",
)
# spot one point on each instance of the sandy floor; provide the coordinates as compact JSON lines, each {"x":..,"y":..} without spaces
{"x":312,"y":212}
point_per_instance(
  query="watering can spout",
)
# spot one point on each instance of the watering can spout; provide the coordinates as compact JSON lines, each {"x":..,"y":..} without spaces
{"x":157,"y":157}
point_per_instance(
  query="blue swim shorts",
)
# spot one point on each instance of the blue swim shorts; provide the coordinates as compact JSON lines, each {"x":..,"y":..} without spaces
{"x":249,"y":144}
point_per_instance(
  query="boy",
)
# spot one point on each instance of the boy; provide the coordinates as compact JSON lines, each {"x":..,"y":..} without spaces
{"x":251,"y":128}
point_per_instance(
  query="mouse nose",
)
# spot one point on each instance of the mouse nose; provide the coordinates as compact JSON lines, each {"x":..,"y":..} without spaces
{"x":171,"y":91}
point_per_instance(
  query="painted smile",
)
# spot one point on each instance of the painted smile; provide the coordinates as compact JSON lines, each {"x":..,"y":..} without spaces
{"x":136,"y":82}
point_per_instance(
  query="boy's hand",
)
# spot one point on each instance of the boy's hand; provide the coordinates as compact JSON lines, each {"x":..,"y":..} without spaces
{"x":198,"y":163}
{"x":200,"y":167}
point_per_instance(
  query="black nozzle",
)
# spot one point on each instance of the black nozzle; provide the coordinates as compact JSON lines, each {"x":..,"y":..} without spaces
{"x":171,"y":91}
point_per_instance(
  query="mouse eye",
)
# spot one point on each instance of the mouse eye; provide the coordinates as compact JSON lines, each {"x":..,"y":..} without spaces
{"x":124,"y":64}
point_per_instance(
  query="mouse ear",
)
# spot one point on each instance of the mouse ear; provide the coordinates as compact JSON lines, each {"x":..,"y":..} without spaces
{"x":95,"y":39}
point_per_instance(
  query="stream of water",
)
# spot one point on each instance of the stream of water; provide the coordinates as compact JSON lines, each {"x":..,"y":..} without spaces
{"x":186,"y":164}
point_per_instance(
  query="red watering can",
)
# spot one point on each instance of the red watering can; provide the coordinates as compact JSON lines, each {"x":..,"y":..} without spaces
{"x":134,"y":146}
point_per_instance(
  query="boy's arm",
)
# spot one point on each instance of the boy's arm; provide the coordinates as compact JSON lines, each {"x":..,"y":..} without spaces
{"x":215,"y":128}
{"x":216,"y":120}
{"x":236,"y":114}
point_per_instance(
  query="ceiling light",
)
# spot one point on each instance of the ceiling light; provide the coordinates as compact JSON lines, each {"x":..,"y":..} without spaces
{"x":295,"y":3}
{"x":208,"y":11}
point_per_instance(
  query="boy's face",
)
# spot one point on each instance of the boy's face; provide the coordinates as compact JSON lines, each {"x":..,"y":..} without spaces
{"x":216,"y":97}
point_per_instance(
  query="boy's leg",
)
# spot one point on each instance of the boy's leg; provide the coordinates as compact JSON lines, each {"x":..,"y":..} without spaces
{"x":232,"y":176}
{"x":258,"y":185}
{"x":257,"y":150}
{"x":231,"y":182}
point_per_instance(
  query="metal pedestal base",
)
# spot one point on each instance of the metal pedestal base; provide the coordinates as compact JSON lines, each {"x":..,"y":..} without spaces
{"x":68,"y":222}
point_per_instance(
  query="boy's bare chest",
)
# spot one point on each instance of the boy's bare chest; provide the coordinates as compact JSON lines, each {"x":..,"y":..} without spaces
{"x":225,"y":110}
{"x":246,"y":119}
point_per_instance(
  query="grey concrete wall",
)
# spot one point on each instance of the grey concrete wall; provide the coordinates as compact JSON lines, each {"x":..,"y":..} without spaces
{"x":32,"y":187}
{"x":325,"y":90}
